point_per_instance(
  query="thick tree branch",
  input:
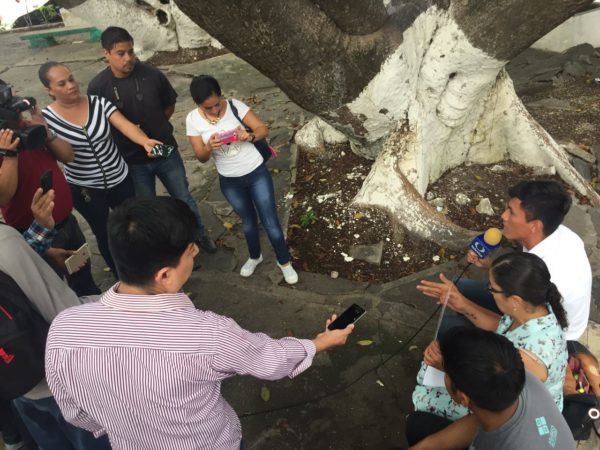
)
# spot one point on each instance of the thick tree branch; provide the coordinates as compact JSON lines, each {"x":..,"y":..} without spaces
{"x":356,"y":17}
{"x":504,"y":28}
{"x":300,"y":47}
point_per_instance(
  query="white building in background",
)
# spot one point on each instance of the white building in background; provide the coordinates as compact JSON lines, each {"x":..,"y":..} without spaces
{"x":579,"y":29}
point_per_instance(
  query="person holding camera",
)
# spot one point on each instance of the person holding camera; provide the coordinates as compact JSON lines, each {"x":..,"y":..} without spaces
{"x":21,"y":168}
{"x":98,"y":176}
{"x":243,"y":176}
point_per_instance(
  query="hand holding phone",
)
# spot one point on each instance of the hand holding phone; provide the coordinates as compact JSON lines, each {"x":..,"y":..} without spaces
{"x":78,"y":259}
{"x":227,"y":137}
{"x":351,"y":315}
{"x":162,"y":150}
{"x":46,"y":181}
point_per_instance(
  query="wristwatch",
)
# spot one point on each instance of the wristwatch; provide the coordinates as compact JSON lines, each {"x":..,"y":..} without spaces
{"x":252,"y":137}
{"x":6,"y":153}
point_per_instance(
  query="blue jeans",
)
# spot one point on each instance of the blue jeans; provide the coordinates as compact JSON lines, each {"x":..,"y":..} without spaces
{"x":95,"y":204}
{"x":247,"y":195}
{"x":171,"y":172}
{"x":49,"y":429}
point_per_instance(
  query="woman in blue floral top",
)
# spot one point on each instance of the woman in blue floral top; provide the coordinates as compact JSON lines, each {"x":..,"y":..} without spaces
{"x":533,"y":320}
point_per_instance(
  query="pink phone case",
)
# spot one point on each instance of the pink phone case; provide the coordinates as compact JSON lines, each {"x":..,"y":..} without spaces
{"x":227,"y":137}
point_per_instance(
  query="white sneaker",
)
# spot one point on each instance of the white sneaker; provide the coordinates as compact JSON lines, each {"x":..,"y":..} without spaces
{"x":250,"y":266}
{"x":289,"y":274}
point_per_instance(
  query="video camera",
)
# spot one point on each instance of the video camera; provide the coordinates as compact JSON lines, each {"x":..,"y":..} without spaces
{"x":11,"y":106}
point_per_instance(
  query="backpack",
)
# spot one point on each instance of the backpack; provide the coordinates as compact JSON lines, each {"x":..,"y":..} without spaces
{"x":23,"y":333}
{"x":262,"y":146}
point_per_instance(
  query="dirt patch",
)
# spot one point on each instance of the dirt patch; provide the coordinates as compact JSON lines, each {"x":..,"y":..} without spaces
{"x":580,"y":123}
{"x":323,"y":227}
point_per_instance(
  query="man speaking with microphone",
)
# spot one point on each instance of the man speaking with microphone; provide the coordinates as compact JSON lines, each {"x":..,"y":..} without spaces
{"x":533,"y":218}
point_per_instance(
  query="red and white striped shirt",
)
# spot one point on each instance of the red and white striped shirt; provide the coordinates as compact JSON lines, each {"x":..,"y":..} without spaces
{"x":147,"y":370}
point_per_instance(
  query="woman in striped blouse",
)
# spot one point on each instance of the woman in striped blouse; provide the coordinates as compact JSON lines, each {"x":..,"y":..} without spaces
{"x":98,"y":176}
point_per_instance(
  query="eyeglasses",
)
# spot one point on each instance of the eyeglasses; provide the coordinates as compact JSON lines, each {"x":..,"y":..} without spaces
{"x":491,"y":290}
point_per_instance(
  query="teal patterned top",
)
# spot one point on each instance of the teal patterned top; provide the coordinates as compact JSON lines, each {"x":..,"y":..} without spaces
{"x":542,"y":336}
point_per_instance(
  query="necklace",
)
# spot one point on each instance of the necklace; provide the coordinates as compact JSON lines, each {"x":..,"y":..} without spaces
{"x":211,"y":121}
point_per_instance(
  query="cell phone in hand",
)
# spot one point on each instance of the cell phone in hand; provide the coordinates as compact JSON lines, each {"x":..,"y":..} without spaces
{"x":351,"y":315}
{"x":162,"y":150}
{"x":46,"y":181}
{"x":227,"y":137}
{"x":78,"y":259}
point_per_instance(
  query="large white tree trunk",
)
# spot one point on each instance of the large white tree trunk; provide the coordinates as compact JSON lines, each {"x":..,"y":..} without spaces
{"x":448,"y":103}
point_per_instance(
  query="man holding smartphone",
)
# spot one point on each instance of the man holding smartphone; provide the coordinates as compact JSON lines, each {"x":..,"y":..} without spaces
{"x":144,"y":351}
{"x":20,"y":177}
{"x":144,"y":95}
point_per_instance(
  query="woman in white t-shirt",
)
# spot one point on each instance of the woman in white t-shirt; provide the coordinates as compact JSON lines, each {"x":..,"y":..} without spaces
{"x":244,"y":179}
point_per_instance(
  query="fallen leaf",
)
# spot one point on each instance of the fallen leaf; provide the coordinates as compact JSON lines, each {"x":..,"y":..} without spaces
{"x":412,"y":348}
{"x":228,"y":225}
{"x":478,"y":178}
{"x":189,"y":293}
{"x":365,"y":342}
{"x":265,"y":394}
{"x":379,"y":382}
{"x":106,"y":269}
{"x":359,"y":215}
{"x":294,"y":225}
{"x":307,"y":178}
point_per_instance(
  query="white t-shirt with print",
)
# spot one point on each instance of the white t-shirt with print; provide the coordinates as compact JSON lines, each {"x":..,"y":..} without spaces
{"x":232,"y":160}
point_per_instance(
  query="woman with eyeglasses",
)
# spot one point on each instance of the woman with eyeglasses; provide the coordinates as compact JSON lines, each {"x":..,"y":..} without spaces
{"x":533,"y":320}
{"x":98,"y":176}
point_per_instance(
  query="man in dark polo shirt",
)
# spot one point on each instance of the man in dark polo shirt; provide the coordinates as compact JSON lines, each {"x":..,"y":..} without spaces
{"x":144,"y":95}
{"x":20,"y":174}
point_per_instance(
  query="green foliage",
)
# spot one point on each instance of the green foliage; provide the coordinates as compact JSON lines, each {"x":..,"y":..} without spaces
{"x":48,"y":12}
{"x":307,"y":218}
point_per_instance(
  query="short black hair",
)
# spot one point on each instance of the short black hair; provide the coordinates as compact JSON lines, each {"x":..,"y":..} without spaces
{"x":543,"y":200}
{"x":44,"y":69}
{"x":147,"y":234}
{"x":203,"y":86}
{"x":113,"y":36}
{"x":484,"y":365}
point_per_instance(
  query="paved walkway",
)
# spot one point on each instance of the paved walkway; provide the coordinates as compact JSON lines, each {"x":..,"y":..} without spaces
{"x":353,"y":397}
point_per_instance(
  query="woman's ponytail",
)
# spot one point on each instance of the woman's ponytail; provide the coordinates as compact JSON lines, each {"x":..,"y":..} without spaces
{"x":554,"y":298}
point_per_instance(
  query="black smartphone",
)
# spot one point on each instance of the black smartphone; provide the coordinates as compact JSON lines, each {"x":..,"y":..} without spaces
{"x":46,"y":181}
{"x":349,"y":316}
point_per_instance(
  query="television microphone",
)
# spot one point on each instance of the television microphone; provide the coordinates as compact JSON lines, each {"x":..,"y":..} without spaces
{"x":486,"y":242}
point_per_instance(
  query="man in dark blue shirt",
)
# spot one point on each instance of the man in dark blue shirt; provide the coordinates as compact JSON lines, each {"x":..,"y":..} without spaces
{"x":144,"y":95}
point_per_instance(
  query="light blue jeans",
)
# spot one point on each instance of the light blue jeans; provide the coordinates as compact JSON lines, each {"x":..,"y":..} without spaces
{"x":247,"y":195}
{"x":171,"y":172}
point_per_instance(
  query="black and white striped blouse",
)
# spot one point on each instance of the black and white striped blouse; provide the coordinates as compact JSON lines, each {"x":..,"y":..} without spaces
{"x":97,"y":162}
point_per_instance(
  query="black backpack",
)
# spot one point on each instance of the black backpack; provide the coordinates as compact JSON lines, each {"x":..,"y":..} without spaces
{"x":23,"y":333}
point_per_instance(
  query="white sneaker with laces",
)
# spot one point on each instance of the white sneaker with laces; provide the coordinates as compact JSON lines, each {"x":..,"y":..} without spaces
{"x":289,"y":274}
{"x":250,"y":266}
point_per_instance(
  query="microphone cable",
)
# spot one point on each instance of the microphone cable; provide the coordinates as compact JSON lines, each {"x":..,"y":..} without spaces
{"x":366,"y":372}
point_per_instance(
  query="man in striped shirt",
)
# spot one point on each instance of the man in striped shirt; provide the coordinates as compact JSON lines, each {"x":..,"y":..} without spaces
{"x":143,"y":365}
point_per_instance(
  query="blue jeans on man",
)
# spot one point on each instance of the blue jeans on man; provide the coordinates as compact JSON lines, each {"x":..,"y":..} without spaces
{"x":51,"y":431}
{"x":171,"y":172}
{"x":247,"y":195}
